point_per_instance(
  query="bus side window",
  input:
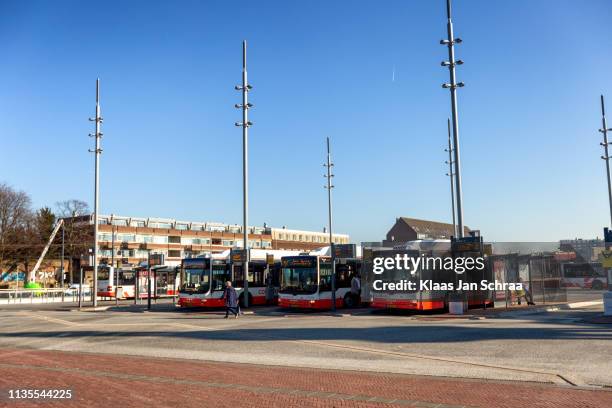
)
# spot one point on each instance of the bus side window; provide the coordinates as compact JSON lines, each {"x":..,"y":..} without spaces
{"x":570,"y":271}
{"x":127,"y":278}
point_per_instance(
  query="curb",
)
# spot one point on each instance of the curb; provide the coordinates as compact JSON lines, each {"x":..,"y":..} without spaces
{"x":552,"y":308}
{"x":90,"y":309}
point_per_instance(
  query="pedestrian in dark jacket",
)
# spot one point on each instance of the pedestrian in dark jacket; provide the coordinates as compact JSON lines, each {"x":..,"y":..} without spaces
{"x":231,"y":300}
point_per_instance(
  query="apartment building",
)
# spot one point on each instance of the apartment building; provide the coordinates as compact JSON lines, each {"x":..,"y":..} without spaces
{"x":283,"y":238}
{"x":129,"y":240}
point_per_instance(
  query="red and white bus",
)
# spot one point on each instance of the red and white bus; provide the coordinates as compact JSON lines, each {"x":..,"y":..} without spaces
{"x":583,"y":275}
{"x":305,"y":282}
{"x":164,"y":282}
{"x":420,"y":298}
{"x":204,"y":278}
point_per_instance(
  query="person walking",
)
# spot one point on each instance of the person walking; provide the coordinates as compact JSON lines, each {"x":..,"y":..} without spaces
{"x":231,"y":300}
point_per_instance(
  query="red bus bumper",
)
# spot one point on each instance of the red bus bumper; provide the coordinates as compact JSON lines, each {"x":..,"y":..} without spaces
{"x":309,"y":303}
{"x":198,"y":302}
{"x":407,"y":304}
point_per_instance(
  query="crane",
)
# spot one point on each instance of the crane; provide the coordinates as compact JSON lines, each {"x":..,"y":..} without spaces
{"x":32,"y":274}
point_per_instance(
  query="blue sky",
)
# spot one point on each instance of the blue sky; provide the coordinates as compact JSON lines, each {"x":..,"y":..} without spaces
{"x":534,"y":70}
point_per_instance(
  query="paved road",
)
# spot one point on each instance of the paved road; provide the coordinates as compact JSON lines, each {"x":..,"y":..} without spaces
{"x":554,"y":348}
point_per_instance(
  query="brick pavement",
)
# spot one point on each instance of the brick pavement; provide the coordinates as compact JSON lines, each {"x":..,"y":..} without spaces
{"x":99,"y":380}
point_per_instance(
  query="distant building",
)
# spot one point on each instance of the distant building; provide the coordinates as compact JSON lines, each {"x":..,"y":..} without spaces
{"x":587,"y":250}
{"x":134,"y":238}
{"x":410,"y":229}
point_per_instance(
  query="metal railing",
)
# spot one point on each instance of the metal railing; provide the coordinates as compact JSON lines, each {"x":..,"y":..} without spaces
{"x":41,"y":295}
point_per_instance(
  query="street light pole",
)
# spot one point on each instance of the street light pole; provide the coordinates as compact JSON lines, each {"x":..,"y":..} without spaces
{"x":97,"y":135}
{"x":113,"y":263}
{"x":450,"y":174}
{"x":606,"y":156}
{"x":453,"y":85}
{"x":329,"y":187}
{"x":245,"y":106}
{"x":62,"y":262}
{"x":607,"y":296}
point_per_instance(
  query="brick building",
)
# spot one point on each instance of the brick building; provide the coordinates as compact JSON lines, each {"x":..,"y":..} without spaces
{"x":409,"y":229}
{"x":134,"y":238}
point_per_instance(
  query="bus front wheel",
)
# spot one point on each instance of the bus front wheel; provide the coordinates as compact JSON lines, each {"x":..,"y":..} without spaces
{"x":349,"y":301}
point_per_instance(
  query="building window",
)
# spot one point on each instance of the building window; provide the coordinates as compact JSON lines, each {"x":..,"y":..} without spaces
{"x":174,"y":240}
{"x":141,"y":254}
{"x":126,"y":238}
{"x":164,"y":225}
{"x":174,"y":254}
{"x":105,"y":237}
{"x":160,"y":239}
{"x":105,"y":252}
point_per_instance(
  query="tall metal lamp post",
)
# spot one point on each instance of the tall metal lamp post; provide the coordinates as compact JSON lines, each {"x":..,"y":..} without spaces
{"x":450,"y":175}
{"x":62,"y":263}
{"x":453,"y":85}
{"x":607,"y":296}
{"x":604,"y":130}
{"x":329,"y":187}
{"x":245,"y":124}
{"x":97,"y":135}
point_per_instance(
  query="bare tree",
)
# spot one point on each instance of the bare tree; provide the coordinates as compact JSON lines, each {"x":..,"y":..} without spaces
{"x":72,"y":208}
{"x":78,"y":239}
{"x":15,"y":215}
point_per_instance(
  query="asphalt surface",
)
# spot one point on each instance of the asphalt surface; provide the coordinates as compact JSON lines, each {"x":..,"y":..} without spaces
{"x":556,"y":347}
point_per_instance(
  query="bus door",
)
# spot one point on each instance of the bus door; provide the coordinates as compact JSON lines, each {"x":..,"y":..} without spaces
{"x":345,"y":270}
{"x":127,"y":280}
{"x":220,"y":274}
{"x":105,"y":281}
{"x":256,"y":279}
{"x":325,"y":286}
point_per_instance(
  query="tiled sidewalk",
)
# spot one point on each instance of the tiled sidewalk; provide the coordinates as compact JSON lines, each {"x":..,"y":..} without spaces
{"x":98,"y":380}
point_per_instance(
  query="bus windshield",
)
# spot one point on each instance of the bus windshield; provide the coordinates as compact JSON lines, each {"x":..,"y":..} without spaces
{"x":196,"y":280}
{"x":299,"y":275}
{"x":103,"y":274}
